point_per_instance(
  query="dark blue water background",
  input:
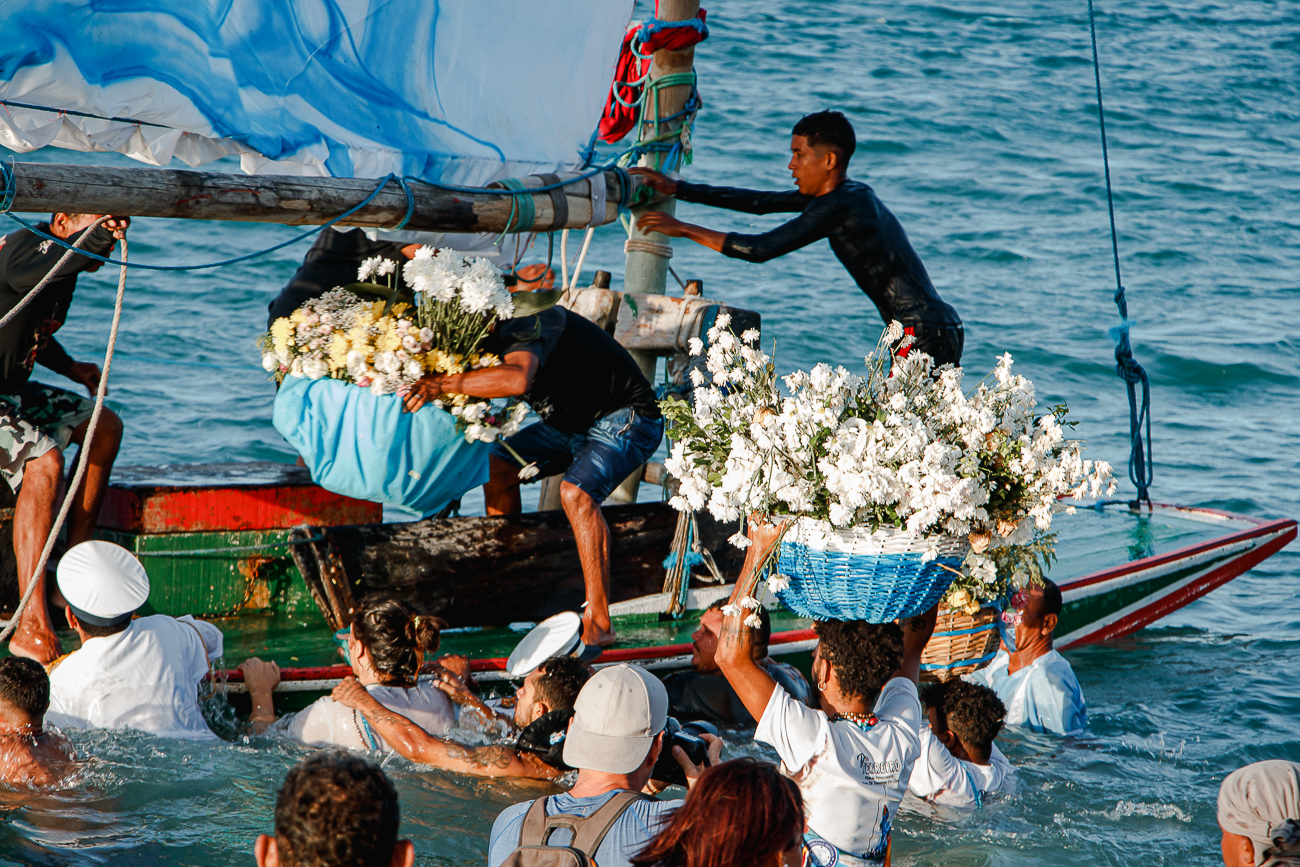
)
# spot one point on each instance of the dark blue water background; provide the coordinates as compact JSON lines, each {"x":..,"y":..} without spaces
{"x":977,"y":126}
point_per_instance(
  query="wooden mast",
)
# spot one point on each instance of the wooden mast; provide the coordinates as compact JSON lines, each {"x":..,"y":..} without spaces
{"x":301,"y":201}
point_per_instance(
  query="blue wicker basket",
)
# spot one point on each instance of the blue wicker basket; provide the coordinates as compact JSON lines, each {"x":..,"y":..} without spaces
{"x":856,"y":574}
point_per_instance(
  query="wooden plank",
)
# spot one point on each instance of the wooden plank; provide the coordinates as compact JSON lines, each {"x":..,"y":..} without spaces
{"x":297,"y":201}
{"x":499,"y":570}
{"x":217,"y":497}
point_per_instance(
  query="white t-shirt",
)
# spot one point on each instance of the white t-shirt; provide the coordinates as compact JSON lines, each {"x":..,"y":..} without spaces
{"x":940,"y":777}
{"x":325,"y":722}
{"x":852,"y":779}
{"x":145,"y":677}
{"x":1044,"y":695}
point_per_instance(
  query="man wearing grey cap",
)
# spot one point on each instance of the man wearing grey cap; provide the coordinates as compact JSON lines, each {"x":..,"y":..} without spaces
{"x":138,"y":673}
{"x":614,"y":741}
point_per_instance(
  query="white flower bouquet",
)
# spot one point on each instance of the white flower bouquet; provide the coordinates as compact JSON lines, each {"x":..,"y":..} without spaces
{"x":387,"y":346}
{"x":901,"y":450}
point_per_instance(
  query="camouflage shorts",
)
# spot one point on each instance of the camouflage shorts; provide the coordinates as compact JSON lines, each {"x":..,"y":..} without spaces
{"x":32,"y":423}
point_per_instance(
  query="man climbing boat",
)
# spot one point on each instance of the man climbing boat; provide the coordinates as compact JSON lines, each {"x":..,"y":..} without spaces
{"x":866,"y":238}
{"x":599,"y":421}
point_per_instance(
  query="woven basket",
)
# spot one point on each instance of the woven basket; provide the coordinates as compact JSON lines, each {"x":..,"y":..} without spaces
{"x":856,"y":574}
{"x":961,"y":643}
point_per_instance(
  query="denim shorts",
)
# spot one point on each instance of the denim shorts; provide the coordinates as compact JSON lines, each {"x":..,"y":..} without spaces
{"x":597,"y":460}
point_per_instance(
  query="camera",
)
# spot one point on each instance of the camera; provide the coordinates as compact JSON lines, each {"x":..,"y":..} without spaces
{"x":687,"y":737}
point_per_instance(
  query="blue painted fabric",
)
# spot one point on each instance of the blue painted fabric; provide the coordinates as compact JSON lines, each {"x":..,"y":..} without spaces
{"x":362,"y":445}
{"x":458,"y":92}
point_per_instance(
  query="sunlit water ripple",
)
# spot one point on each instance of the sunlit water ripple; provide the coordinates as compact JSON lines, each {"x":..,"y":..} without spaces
{"x":977,"y":126}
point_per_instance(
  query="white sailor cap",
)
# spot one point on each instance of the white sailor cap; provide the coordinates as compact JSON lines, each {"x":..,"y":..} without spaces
{"x":103,"y":583}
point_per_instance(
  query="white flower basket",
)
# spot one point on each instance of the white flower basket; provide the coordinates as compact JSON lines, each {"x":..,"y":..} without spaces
{"x":859,"y":574}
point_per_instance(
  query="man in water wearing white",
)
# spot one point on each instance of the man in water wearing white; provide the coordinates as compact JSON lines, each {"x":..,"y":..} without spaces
{"x":1035,"y":682}
{"x":959,"y":762}
{"x":141,"y":674}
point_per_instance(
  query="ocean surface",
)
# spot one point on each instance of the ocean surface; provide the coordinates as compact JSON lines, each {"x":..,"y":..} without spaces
{"x":977,"y":126}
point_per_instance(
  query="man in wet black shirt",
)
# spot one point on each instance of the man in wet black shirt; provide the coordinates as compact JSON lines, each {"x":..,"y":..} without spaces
{"x":38,"y":421}
{"x":600,"y":421}
{"x":866,"y":238}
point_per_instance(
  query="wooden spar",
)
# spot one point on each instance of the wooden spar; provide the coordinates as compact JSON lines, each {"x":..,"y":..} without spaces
{"x":297,"y":201}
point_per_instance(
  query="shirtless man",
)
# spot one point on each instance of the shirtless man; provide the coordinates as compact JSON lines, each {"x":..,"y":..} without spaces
{"x":29,"y":755}
{"x":866,"y":238}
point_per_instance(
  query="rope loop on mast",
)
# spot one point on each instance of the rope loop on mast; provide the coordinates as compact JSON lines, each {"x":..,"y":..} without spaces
{"x":1141,"y":471}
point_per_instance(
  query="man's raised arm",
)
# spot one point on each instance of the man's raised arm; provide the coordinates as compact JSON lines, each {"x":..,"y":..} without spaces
{"x":414,"y":743}
{"x":728,"y":198}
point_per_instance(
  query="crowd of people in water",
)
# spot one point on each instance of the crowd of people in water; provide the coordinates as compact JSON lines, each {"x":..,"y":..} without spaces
{"x":851,"y":743}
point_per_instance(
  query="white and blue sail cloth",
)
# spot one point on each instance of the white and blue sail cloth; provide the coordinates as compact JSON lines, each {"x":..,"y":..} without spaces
{"x":461,"y":92}
{"x":1044,"y":696}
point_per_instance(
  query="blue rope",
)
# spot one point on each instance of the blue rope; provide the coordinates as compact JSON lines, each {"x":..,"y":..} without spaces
{"x":1140,"y":469}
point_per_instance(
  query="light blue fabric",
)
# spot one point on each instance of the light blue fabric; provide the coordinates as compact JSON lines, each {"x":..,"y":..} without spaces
{"x":362,"y":445}
{"x":458,"y":92}
{"x":630,"y":834}
{"x":1043,"y":696}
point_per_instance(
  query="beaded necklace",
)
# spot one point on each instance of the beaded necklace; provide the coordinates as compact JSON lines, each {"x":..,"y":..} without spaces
{"x":864,"y":721}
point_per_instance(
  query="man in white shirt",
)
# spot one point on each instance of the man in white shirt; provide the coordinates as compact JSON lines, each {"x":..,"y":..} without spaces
{"x":960,"y":765}
{"x":852,"y":753}
{"x":129,"y":673}
{"x":1035,"y":682}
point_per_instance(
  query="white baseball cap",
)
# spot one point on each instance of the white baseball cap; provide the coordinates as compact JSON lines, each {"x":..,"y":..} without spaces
{"x":616,"y":717}
{"x":103,"y":583}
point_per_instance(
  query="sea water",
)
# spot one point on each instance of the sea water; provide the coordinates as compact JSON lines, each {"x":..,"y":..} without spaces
{"x":977,"y":126}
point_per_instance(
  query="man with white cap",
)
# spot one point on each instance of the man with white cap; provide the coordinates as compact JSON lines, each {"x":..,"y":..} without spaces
{"x":141,"y":674}
{"x":614,"y":741}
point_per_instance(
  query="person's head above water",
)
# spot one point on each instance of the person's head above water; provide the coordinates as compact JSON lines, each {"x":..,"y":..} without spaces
{"x":1259,"y":814}
{"x":704,"y":640}
{"x":389,"y":639}
{"x":554,"y":685}
{"x":103,"y":584}
{"x":1038,"y":619}
{"x":854,"y":660}
{"x":24,"y":695}
{"x":821,"y":146}
{"x":965,"y":717}
{"x":335,"y":810}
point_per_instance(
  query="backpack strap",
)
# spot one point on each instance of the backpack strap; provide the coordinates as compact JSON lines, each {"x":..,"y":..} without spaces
{"x":533,"y":830}
{"x":591,"y":833}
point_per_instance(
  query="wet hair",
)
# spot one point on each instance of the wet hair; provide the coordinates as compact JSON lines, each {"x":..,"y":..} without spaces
{"x":864,"y":655}
{"x":740,"y":813}
{"x":829,"y":128}
{"x":971,"y":711}
{"x":24,"y":685}
{"x":336,"y":810}
{"x":395,"y":636}
{"x":561,"y":680}
{"x":765,"y":628}
{"x":1051,"y":598}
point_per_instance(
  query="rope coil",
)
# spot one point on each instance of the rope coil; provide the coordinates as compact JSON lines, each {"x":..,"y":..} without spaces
{"x":1141,"y":471}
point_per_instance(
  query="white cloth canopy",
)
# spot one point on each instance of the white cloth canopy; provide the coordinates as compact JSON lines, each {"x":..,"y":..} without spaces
{"x":461,"y":92}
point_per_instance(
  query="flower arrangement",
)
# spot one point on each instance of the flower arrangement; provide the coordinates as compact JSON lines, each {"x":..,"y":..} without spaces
{"x":387,"y":346}
{"x":903,"y":446}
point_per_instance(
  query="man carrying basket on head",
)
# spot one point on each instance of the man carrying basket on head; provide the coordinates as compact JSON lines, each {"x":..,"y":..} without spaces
{"x":599,"y":422}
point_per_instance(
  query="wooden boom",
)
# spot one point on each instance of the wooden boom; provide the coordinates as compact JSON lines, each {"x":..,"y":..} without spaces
{"x":303,"y":201}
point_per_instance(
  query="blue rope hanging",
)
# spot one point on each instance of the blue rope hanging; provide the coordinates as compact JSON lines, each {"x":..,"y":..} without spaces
{"x":1141,"y":471}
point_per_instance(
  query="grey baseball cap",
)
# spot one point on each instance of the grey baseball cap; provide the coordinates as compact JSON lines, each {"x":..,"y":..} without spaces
{"x":615,"y":719}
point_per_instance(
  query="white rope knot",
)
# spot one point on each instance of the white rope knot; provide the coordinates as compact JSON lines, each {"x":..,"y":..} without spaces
{"x":642,"y":245}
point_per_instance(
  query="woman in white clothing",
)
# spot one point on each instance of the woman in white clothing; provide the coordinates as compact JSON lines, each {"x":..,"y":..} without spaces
{"x":387,"y":644}
{"x":852,"y":757}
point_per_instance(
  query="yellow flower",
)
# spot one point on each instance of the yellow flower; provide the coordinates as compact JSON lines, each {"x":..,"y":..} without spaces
{"x":388,"y":341}
{"x":281,"y":332}
{"x":973,"y":609}
{"x":339,"y":348}
{"x":399,"y":309}
{"x":297,"y":316}
{"x":959,"y":599}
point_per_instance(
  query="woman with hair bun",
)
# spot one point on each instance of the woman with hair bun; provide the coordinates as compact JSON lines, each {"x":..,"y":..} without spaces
{"x":386,"y":645}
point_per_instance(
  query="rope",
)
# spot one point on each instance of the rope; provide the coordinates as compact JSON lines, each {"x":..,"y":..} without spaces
{"x":233,"y":549}
{"x":83,"y":458}
{"x":1140,"y":469}
{"x":643,"y":245}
